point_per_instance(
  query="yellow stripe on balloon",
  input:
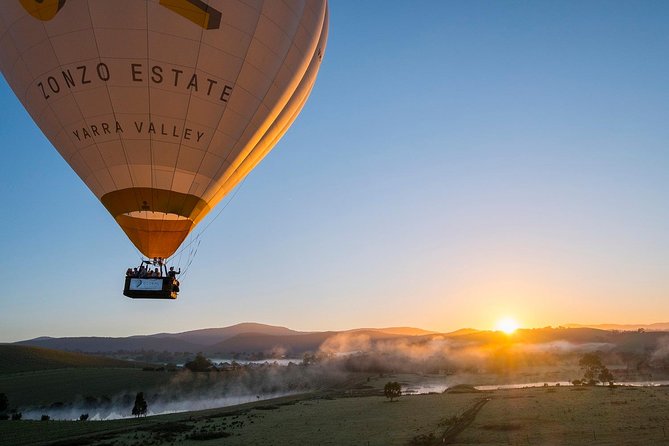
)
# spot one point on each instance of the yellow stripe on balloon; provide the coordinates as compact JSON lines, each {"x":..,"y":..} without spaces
{"x":196,"y":11}
{"x":44,"y":10}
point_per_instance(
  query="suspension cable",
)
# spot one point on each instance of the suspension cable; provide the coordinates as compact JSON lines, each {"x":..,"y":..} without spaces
{"x":196,"y":238}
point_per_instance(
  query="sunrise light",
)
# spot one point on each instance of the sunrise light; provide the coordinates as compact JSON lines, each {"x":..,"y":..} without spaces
{"x":507,"y":325}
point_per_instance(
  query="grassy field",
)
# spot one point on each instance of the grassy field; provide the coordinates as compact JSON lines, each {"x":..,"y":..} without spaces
{"x":46,"y":387}
{"x":21,"y":358}
{"x":360,"y":416}
{"x":573,"y":416}
{"x":319,"y":419}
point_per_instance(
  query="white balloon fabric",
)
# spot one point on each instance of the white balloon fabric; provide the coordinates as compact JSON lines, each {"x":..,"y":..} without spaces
{"x":162,"y":106}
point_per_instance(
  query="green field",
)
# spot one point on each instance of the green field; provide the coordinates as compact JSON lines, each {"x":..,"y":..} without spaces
{"x":360,"y":416}
{"x":46,"y":387}
{"x":22,"y":358}
{"x":328,"y":407}
{"x":34,"y":376}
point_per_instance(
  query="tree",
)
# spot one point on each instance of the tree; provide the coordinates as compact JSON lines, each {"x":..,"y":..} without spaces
{"x":140,"y":407}
{"x":593,"y":370}
{"x":605,"y":376}
{"x":590,"y":364}
{"x":392,"y":390}
{"x":4,"y":402}
{"x":199,"y":364}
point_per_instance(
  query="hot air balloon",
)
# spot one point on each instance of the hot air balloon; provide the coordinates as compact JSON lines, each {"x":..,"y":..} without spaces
{"x":162,"y":106}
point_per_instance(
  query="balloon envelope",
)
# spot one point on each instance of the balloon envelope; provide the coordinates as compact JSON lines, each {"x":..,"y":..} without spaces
{"x":162,"y":106}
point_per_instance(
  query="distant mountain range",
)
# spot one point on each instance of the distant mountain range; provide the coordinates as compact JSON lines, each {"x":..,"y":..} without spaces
{"x":273,"y":341}
{"x":244,"y":337}
{"x":658,"y":326}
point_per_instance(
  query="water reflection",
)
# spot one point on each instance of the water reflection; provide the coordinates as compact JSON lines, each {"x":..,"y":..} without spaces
{"x":420,"y":389}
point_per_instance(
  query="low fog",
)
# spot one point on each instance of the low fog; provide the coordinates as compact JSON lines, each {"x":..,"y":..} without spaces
{"x":441,"y":362}
{"x":190,"y":391}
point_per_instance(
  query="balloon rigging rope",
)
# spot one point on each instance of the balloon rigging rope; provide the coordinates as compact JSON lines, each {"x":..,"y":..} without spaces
{"x":191,"y":257}
{"x":197,"y":238}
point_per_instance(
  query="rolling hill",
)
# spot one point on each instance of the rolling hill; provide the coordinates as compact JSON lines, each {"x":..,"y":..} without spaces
{"x":189,"y":341}
{"x":244,"y":337}
{"x":106,"y":345}
{"x":658,"y":326}
{"x":211,"y":336}
{"x":292,"y":346}
{"x":249,"y":339}
{"x":21,"y":358}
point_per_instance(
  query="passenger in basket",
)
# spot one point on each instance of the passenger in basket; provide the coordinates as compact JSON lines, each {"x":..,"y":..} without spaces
{"x":173,"y":274}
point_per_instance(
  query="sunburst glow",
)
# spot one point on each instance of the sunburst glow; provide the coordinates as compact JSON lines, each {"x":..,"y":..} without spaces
{"x":507,"y":325}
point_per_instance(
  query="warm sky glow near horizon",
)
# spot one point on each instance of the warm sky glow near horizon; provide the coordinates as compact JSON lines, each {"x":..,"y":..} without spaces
{"x":507,"y":324}
{"x":456,"y":162}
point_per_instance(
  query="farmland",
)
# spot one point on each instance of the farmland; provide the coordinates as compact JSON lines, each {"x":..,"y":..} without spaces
{"x":331,"y":401}
{"x":361,"y":415}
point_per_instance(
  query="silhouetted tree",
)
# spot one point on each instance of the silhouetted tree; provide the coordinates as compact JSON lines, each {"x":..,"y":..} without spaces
{"x":605,"y":376}
{"x":593,"y":370}
{"x":199,"y":364}
{"x":4,"y":402}
{"x":140,"y":407}
{"x":392,"y":390}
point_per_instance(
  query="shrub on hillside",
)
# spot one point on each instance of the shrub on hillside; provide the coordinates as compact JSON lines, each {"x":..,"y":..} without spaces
{"x":200,"y":364}
{"x":140,"y":408}
{"x":392,"y":390}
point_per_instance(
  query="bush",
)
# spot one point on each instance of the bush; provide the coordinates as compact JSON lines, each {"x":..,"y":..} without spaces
{"x":392,"y":390}
{"x":45,"y":418}
{"x":17,"y":416}
{"x":140,"y":408}
{"x":200,"y":364}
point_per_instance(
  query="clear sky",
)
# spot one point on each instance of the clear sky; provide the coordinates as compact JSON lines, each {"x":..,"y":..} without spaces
{"x":457,"y":162}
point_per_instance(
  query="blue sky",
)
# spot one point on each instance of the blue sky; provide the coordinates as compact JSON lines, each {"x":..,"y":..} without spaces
{"x":457,"y":162}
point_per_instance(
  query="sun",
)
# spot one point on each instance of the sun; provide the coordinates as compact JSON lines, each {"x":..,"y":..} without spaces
{"x":507,"y":325}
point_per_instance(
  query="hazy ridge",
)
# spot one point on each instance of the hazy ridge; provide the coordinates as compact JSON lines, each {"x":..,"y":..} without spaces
{"x":275,"y":342}
{"x":22,"y":358}
{"x":657,"y":326}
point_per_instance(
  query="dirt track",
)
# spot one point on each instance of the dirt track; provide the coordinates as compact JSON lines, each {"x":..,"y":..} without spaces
{"x":462,"y":421}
